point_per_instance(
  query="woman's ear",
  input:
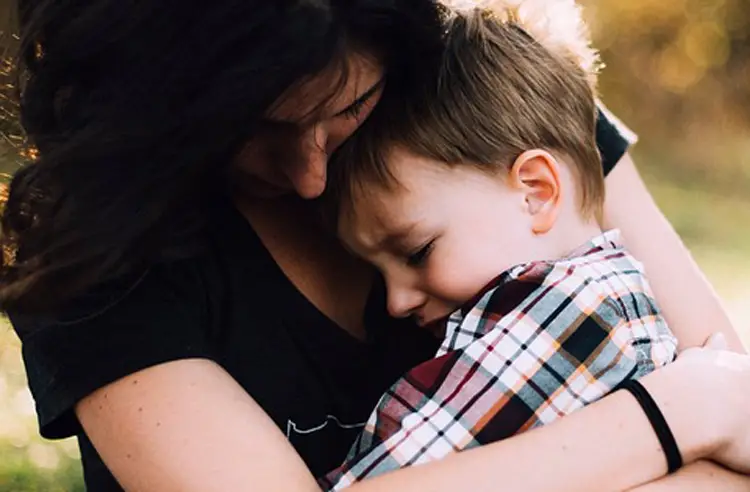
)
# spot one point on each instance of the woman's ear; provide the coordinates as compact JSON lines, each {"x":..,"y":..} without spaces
{"x":536,"y":173}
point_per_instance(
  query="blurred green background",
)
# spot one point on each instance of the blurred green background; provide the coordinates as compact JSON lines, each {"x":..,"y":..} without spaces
{"x":678,"y":73}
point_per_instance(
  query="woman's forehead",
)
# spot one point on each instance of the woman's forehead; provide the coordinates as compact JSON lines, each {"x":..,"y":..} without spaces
{"x":328,"y":93}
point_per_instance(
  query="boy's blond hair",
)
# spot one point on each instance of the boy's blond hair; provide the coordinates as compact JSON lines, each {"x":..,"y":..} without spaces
{"x":514,"y":75}
{"x":558,"y":25}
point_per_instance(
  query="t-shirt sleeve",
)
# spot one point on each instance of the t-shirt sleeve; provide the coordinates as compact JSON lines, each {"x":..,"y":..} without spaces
{"x":117,"y":330}
{"x":612,"y":137}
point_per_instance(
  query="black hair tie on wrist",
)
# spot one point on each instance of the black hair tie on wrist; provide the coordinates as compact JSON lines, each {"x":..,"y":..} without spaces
{"x":658,"y":422}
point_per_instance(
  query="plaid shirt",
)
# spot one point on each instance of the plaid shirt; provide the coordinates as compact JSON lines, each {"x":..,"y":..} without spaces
{"x":543,"y":340}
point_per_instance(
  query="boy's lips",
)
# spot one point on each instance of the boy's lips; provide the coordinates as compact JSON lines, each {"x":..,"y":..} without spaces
{"x":436,"y":326}
{"x":427,"y":323}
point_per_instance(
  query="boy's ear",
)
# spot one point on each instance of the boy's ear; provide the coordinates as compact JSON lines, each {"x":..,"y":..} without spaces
{"x":537,"y":174}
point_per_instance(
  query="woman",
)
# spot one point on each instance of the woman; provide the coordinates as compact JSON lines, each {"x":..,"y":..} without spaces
{"x":179,"y":304}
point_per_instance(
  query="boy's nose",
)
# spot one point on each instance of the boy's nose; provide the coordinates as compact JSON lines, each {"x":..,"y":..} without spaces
{"x":404,"y":301}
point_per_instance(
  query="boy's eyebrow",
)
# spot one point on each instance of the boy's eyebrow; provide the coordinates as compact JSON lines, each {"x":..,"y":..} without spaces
{"x":396,"y":237}
{"x":363,"y":98}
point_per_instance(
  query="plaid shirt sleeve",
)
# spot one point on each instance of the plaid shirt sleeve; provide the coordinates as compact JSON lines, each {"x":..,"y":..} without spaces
{"x":542,"y":343}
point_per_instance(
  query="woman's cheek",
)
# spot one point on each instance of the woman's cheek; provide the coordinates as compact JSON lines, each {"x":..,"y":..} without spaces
{"x":339,"y":131}
{"x":343,"y":127}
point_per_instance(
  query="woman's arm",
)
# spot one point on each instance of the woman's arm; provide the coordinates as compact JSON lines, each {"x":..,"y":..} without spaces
{"x":187,"y":426}
{"x":690,"y":304}
{"x":606,"y":446}
{"x":699,"y":477}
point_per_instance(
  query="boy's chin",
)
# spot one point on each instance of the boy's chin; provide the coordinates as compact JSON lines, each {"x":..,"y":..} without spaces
{"x":436,"y":326}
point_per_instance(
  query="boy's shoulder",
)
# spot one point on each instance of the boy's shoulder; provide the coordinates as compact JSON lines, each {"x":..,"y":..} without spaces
{"x":597,"y":275}
{"x":599,"y":263}
{"x":593,"y":292}
{"x":590,"y":281}
{"x":602,"y":266}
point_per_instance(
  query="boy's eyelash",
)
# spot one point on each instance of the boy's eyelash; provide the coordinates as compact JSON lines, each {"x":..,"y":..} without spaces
{"x":418,"y":258}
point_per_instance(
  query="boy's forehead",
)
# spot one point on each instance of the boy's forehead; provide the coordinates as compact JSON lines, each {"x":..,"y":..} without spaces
{"x":383,"y":209}
{"x":379,"y":215}
{"x":372,"y":218}
{"x":410,"y":171}
{"x":365,"y":212}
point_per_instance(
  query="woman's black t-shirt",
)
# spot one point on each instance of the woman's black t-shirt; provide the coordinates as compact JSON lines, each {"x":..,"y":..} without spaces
{"x":233,"y":305}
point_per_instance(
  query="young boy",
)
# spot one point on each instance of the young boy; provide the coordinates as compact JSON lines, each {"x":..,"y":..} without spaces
{"x":478,"y":199}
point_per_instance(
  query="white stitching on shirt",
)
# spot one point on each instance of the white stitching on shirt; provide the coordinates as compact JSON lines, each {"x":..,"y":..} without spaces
{"x":291,"y":426}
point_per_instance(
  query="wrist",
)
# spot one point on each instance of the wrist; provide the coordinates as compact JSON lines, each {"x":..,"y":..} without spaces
{"x":688,"y":408}
{"x":661,"y":428}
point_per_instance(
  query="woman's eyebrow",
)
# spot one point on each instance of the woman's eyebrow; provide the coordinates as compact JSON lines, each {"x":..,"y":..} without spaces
{"x":288,"y":124}
{"x":364,"y":97}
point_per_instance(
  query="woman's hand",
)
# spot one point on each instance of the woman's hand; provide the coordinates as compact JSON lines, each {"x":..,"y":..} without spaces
{"x":727,"y":376}
{"x":699,"y":477}
{"x":705,"y":398}
{"x":733,"y":451}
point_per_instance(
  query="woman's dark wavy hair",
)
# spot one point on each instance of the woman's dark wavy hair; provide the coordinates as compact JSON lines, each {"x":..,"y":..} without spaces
{"x":137,"y":109}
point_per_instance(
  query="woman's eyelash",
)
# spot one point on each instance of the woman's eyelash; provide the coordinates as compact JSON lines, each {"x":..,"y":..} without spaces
{"x":418,"y":258}
{"x":354,"y":110}
{"x":357,"y":106}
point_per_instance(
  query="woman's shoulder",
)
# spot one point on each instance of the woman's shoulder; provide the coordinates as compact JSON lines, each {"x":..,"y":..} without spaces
{"x":228,"y":242}
{"x":612,"y":137}
{"x":168,"y":311}
{"x":117,"y":328}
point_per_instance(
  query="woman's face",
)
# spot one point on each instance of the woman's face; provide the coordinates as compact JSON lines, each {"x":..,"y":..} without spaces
{"x":290,"y":152}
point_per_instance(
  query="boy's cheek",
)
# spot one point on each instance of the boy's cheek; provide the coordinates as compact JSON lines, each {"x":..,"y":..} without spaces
{"x":454,"y":283}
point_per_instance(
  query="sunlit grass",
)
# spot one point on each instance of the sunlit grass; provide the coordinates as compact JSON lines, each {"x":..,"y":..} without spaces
{"x":711,"y":212}
{"x":27,"y":463}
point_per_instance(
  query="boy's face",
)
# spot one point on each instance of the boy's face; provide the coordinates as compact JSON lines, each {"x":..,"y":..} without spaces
{"x":439,"y":236}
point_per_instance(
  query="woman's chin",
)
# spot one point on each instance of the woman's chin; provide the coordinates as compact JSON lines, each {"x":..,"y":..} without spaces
{"x":251,"y":187}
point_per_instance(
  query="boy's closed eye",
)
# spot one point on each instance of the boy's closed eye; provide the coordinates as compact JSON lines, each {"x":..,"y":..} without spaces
{"x":419,"y":257}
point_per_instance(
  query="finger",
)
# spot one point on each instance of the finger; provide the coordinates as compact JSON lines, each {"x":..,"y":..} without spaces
{"x":717,"y":341}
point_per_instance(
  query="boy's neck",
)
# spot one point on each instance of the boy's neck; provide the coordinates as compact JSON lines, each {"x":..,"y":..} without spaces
{"x":569,"y":235}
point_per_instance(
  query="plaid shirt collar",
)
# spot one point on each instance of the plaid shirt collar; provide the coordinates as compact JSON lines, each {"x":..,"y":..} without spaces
{"x":471,"y":329}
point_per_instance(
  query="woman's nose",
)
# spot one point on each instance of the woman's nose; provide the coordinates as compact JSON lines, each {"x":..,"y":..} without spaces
{"x":308,"y":176}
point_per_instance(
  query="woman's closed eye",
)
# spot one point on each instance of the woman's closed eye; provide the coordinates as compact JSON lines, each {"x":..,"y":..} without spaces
{"x":418,"y":258}
{"x":354,"y":110}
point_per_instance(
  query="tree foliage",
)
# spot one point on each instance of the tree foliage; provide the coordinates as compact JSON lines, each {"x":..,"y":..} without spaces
{"x":676,"y":67}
